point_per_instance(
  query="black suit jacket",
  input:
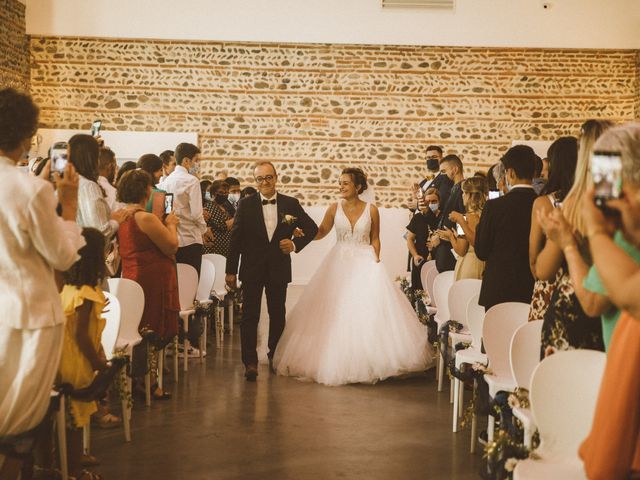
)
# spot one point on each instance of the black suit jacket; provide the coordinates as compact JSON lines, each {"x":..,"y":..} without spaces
{"x":262,"y":260}
{"x":502,"y":241}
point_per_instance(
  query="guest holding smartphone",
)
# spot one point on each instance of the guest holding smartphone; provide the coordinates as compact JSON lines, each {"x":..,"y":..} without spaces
{"x":419,"y":230}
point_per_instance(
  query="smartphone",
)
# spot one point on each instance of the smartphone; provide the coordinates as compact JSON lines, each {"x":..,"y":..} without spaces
{"x":95,"y":128}
{"x":58,"y":157}
{"x":168,"y":203}
{"x":493,"y":194}
{"x":606,"y":171}
{"x":459,"y":229}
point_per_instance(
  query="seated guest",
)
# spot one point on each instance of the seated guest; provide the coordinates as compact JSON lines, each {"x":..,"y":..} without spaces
{"x":468,"y":265}
{"x":234,"y":191}
{"x":419,"y":230}
{"x":220,"y":220}
{"x":107,"y":168}
{"x":82,"y":355}
{"x":152,"y":164}
{"x":168,"y":164}
{"x":147,"y":247}
{"x":502,"y":235}
{"x":35,"y":242}
{"x":124,"y":168}
{"x":612,"y":449}
{"x":452,"y":167}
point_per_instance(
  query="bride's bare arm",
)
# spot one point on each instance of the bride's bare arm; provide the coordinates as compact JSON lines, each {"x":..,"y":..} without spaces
{"x":327,"y":222}
{"x":375,"y":230}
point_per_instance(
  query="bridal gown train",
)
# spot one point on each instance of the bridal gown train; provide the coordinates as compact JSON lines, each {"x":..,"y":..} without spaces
{"x":352,"y":324}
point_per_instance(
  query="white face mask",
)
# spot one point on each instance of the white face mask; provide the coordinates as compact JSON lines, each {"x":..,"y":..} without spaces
{"x":434,"y":207}
{"x":234,"y":198}
{"x":195,"y":169}
{"x":207,"y":196}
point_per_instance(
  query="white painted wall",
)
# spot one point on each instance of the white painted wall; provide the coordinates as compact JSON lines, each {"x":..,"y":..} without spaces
{"x":497,"y":23}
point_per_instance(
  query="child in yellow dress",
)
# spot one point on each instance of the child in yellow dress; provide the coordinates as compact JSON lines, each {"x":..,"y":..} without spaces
{"x":82,"y":356}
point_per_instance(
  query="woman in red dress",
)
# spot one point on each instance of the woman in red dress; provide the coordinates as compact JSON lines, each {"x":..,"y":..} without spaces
{"x":147,"y":247}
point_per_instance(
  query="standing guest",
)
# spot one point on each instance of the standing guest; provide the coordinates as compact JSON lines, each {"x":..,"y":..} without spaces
{"x":474,"y":194}
{"x":419,"y":230}
{"x":538,"y":180}
{"x":35,"y":242}
{"x":222,"y":175}
{"x":566,"y":324}
{"x":82,"y":355}
{"x":187,"y":204}
{"x":206,"y":194}
{"x":124,"y":168}
{"x":151,"y":163}
{"x":563,"y":155}
{"x":168,"y":164}
{"x":234,"y":192}
{"x":247,"y":191}
{"x":502,"y":235}
{"x":147,"y":246}
{"x":451,"y":167}
{"x":491,"y":179}
{"x":433,"y":179}
{"x":220,"y":220}
{"x":107,"y":168}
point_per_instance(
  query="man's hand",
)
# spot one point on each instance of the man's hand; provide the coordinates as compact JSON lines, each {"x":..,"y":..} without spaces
{"x":287,"y":246}
{"x":231,"y":281}
{"x":122,"y":215}
{"x":417,"y":259}
{"x":298,"y":233}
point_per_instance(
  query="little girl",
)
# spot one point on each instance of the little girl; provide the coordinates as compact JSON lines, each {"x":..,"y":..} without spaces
{"x":82,"y":355}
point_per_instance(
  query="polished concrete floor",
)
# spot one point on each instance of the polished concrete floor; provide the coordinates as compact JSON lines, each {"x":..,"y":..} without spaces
{"x":217,"y":426}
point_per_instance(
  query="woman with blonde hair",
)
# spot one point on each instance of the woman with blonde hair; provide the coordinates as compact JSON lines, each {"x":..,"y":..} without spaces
{"x":474,"y":196}
{"x":566,"y":325}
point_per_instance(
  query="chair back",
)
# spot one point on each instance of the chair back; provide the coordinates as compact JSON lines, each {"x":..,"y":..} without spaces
{"x":112,"y":325}
{"x":475,"y":320}
{"x":459,"y":295}
{"x":525,"y":352}
{"x":564,"y":391}
{"x":426,"y":268}
{"x":431,"y":277}
{"x":500,"y":323}
{"x":187,"y":285}
{"x":441,"y":285}
{"x":131,"y":297}
{"x":207,"y":277}
{"x":220,"y":263}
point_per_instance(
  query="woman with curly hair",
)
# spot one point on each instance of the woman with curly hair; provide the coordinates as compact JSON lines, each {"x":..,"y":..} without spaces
{"x":352,"y":324}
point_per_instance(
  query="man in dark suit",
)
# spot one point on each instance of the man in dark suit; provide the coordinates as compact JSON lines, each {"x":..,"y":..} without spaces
{"x":502,"y":236}
{"x":262,"y":234}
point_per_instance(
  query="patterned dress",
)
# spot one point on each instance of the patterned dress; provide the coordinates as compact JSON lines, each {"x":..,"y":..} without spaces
{"x":218,"y":217}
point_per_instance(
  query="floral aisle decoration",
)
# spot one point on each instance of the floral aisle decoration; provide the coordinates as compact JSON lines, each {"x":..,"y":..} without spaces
{"x":120,"y":383}
{"x":419,"y":300}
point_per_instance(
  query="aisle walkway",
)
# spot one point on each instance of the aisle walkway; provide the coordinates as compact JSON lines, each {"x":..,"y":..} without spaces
{"x":218,"y":426}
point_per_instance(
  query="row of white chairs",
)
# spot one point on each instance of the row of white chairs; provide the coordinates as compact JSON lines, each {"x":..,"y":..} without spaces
{"x":512,"y":347}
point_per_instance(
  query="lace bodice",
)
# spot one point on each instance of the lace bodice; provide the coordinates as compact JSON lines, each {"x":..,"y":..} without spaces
{"x":361,"y":233}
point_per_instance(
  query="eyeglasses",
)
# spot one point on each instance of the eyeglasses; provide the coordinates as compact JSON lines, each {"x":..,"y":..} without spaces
{"x":266,"y":178}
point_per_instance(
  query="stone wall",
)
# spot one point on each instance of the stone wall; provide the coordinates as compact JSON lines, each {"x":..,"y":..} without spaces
{"x":14,"y":46}
{"x":316,"y":108}
{"x":637,"y":107}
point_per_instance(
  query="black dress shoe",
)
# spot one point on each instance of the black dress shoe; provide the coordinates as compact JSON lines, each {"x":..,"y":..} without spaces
{"x":251,"y":373}
{"x":271,"y":369}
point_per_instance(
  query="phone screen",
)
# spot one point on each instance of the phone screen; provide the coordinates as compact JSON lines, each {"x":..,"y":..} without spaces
{"x":493,"y":194}
{"x":58,"y":157}
{"x":95,"y":128}
{"x":606,"y":171}
{"x":168,"y":203}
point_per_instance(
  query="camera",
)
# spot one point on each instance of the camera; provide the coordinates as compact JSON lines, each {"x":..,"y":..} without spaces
{"x":58,"y":156}
{"x":606,"y":171}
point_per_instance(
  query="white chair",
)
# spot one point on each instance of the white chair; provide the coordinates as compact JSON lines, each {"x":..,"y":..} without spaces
{"x":131,"y":299}
{"x":525,"y":357}
{"x":112,"y":325}
{"x":564,"y":391}
{"x":219,"y":290}
{"x":187,"y":289}
{"x":205,"y":285}
{"x":441,"y":285}
{"x":427,"y":268}
{"x":500,"y":323}
{"x":431,"y":277}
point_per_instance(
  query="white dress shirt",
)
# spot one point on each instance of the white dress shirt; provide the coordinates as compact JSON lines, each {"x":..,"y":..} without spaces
{"x":109,"y":190}
{"x":270,"y":212}
{"x":35,"y":241}
{"x":93,"y":209}
{"x":187,"y":205}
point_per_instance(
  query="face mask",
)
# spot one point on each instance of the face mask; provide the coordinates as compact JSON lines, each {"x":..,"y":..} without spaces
{"x":433,"y":164}
{"x":434,"y":207}
{"x":234,"y":198}
{"x":207,"y":196}
{"x":195,"y":169}
{"x":220,"y":199}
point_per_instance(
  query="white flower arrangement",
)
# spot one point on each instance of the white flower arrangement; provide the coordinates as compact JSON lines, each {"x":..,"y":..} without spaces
{"x":510,"y":464}
{"x":289,"y":219}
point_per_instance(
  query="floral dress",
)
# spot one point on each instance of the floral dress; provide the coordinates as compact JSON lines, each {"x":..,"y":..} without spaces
{"x":565,"y":325}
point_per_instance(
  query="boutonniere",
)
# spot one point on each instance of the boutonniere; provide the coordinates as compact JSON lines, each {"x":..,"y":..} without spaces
{"x":289,"y":219}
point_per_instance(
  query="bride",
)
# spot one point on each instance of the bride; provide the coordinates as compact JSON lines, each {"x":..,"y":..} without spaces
{"x":352,"y":324}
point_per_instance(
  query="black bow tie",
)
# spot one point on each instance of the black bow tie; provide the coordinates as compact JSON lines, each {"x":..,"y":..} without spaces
{"x":269,"y":202}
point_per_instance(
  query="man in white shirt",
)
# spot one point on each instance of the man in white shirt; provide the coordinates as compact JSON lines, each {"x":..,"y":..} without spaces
{"x":168,"y":164}
{"x":187,"y":204}
{"x":107,"y":167}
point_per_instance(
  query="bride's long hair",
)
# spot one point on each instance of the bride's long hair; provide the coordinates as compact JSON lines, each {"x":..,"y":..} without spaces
{"x":359,"y":178}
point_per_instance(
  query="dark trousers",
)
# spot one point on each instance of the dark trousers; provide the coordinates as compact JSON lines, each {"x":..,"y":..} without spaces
{"x":191,"y":255}
{"x":252,"y":298}
{"x":416,"y":281}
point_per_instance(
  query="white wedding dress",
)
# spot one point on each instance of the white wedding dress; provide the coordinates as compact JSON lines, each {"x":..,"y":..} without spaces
{"x":352,"y":324}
